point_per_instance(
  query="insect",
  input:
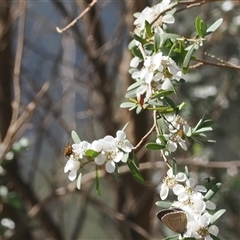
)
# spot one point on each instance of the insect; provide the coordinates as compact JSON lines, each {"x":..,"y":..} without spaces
{"x":67,"y":151}
{"x":175,"y":219}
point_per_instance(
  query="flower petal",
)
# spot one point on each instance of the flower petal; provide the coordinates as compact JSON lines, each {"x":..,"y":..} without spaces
{"x":110,"y":166}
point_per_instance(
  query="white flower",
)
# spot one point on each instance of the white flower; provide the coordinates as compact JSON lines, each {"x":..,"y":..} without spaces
{"x":109,"y":153}
{"x":152,"y":64}
{"x":145,"y":15}
{"x":177,"y":123}
{"x":200,"y":228}
{"x":144,"y":90}
{"x":171,"y":182}
{"x":122,"y":142}
{"x":72,"y":165}
{"x":173,"y":140}
{"x":80,"y":148}
{"x":149,"y":14}
{"x":170,"y":72}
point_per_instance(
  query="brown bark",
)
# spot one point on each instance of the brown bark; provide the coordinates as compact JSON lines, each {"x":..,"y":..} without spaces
{"x":134,"y":199}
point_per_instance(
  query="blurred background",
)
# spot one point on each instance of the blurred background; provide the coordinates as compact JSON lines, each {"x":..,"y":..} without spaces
{"x":52,"y":83}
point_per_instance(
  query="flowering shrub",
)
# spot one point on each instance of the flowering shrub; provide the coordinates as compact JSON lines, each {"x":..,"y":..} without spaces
{"x":160,"y":62}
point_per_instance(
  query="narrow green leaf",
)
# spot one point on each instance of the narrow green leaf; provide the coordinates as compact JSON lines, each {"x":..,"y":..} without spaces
{"x":135,"y":85}
{"x":135,"y":172}
{"x":212,"y":191}
{"x":164,"y":204}
{"x":97,"y":182}
{"x":154,"y":146}
{"x":174,"y":166}
{"x":186,"y":171}
{"x":79,"y":181}
{"x":207,"y":123}
{"x":136,"y":52}
{"x":175,"y":237}
{"x":139,"y":39}
{"x":116,"y":173}
{"x":75,"y":137}
{"x":214,"y":237}
{"x":157,"y":41}
{"x":206,"y":129}
{"x":188,"y":57}
{"x":215,"y":26}
{"x":138,"y":109}
{"x":127,"y":105}
{"x":217,"y":215}
{"x":135,"y":159}
{"x":198,"y":124}
{"x":148,"y":28}
{"x":203,"y":28}
{"x":163,"y":110}
{"x":162,"y":93}
{"x":198,"y":26}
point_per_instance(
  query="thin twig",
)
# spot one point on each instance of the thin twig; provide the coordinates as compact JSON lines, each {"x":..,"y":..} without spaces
{"x":16,"y":128}
{"x":87,"y":9}
{"x":18,"y":59}
{"x":145,"y":136}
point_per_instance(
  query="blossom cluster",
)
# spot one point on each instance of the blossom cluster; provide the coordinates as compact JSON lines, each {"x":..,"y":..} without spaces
{"x":108,"y":150}
{"x":178,"y":129}
{"x":157,"y":70}
{"x":192,"y":202}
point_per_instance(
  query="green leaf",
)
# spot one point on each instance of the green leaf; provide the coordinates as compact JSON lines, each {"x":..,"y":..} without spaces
{"x":116,"y":173}
{"x":174,"y":166}
{"x":135,"y":85}
{"x":212,"y":191}
{"x":162,"y":93}
{"x":168,"y":101}
{"x":186,"y":171}
{"x":154,"y":146}
{"x":188,"y":57}
{"x":188,"y":238}
{"x":198,"y":25}
{"x":203,"y":26}
{"x":138,"y":110}
{"x":163,"y":110}
{"x":127,"y":105}
{"x":97,"y":182}
{"x":214,"y":237}
{"x":139,"y":39}
{"x":91,"y":153}
{"x":207,"y":123}
{"x":157,"y":41}
{"x":135,"y":159}
{"x":164,"y":204}
{"x":175,"y":237}
{"x":136,"y":52}
{"x":206,"y":129}
{"x":148,"y":28}
{"x":215,"y":26}
{"x":75,"y":137}
{"x":135,"y":172}
{"x":217,"y":215}
{"x":198,"y":124}
{"x":79,"y":181}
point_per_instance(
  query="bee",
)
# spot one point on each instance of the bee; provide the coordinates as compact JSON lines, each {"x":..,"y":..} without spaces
{"x":68,"y":151}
